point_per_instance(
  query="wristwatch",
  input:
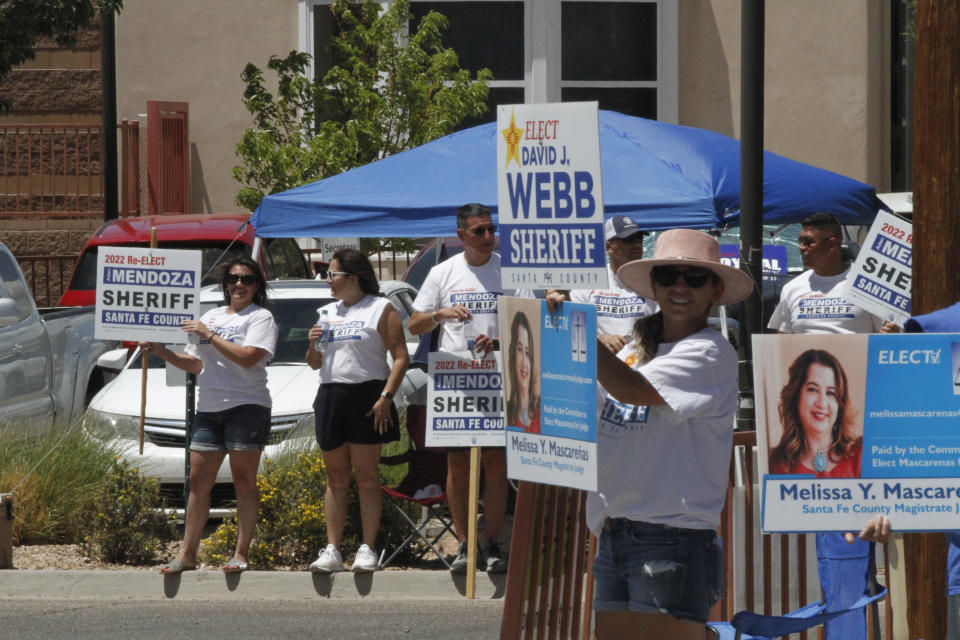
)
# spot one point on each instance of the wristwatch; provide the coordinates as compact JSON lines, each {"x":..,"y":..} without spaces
{"x":387,"y":395}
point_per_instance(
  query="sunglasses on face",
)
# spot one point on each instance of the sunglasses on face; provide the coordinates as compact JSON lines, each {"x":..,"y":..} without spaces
{"x":246,"y":278}
{"x":806,"y":241}
{"x":695,"y":277}
{"x":634,"y":239}
{"x":331,"y":274}
{"x":481,"y":231}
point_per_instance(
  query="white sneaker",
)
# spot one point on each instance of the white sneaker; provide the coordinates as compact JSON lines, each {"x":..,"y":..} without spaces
{"x":329,"y":561}
{"x":365,"y":561}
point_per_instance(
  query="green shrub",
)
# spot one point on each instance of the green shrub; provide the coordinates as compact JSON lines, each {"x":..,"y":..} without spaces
{"x":128,"y":525}
{"x":54,"y":475}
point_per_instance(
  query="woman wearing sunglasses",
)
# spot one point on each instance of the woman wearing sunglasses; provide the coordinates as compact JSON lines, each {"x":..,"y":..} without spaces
{"x":664,"y":441}
{"x":233,"y":404}
{"x":354,"y":407}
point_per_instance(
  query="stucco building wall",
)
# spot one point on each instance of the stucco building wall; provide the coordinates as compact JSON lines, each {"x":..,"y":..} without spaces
{"x":183,"y":50}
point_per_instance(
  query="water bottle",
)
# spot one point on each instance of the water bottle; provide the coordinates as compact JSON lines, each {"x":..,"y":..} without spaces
{"x":324,"y":324}
{"x":470,"y":334}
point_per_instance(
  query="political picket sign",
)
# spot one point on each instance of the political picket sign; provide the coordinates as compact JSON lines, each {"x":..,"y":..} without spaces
{"x":550,"y":197}
{"x":144,"y":294}
{"x":550,"y":401}
{"x":464,"y":401}
{"x":774,"y":261}
{"x":854,"y":426}
{"x":882,"y":274}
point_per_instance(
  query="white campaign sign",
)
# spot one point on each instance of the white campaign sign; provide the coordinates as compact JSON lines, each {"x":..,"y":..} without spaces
{"x":144,"y":294}
{"x":464,"y":400}
{"x":883,"y":271}
{"x":550,"y":196}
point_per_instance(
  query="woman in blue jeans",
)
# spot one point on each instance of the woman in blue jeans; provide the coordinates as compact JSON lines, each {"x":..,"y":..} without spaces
{"x":233,"y":404}
{"x":663,"y":447}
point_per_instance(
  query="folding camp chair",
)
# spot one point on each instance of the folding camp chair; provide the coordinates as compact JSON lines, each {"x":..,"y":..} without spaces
{"x":747,"y":625}
{"x":426,"y":468}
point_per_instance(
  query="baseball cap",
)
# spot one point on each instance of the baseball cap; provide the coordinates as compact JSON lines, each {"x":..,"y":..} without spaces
{"x":620,"y":227}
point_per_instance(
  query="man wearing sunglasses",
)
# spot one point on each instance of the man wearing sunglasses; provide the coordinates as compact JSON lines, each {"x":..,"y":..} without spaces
{"x":462,"y":289}
{"x":618,"y":308}
{"x":815,"y":302}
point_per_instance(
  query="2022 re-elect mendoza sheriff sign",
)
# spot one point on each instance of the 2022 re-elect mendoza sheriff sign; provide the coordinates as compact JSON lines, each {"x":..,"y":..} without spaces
{"x":549,"y":196}
{"x":144,"y":294}
{"x":854,"y":426}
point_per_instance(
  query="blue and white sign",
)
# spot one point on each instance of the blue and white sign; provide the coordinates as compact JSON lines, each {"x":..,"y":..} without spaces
{"x":550,"y":402}
{"x":853,"y":426}
{"x":144,"y":294}
{"x":464,"y":400}
{"x":550,"y":196}
{"x":883,"y":272}
{"x":774,"y":258}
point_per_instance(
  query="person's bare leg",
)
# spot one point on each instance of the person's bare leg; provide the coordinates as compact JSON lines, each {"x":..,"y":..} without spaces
{"x":204,"y":466}
{"x":366,"y":471}
{"x":613,"y":625}
{"x":458,"y":488}
{"x":494,"y":492}
{"x":337,"y":463}
{"x":243,"y":466}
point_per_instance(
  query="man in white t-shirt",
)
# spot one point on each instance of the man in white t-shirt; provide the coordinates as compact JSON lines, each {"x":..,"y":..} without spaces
{"x":466,"y":288}
{"x":618,"y":308}
{"x":816,"y":302}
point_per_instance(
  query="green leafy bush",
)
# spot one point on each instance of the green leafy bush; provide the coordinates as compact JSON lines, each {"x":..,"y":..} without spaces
{"x":128,"y":525}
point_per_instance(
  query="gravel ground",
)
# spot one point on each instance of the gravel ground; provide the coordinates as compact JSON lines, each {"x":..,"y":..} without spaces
{"x":69,"y":556}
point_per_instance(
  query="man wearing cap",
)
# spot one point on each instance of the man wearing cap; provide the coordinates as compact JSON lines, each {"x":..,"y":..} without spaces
{"x":618,"y":308}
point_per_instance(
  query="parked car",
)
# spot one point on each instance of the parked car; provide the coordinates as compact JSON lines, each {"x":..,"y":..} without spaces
{"x":48,"y":358}
{"x":114,"y":414}
{"x":221,"y":237}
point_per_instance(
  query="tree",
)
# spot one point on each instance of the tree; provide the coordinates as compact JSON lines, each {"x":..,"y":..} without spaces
{"x":387,"y":91}
{"x":22,"y":22}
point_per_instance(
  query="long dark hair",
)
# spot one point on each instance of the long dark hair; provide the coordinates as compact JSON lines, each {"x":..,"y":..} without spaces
{"x":356,"y":263}
{"x":533,"y":400}
{"x":793,"y":442}
{"x":260,"y":295}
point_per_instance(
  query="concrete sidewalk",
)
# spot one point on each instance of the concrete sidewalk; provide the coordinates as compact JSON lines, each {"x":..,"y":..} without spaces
{"x":212,"y":584}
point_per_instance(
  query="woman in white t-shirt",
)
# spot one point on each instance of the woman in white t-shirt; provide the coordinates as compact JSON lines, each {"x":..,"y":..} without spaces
{"x":354,"y":407}
{"x":664,"y":439}
{"x":233,"y":404}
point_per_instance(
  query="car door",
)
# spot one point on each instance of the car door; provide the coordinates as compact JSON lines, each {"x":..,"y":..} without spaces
{"x":25,"y":374}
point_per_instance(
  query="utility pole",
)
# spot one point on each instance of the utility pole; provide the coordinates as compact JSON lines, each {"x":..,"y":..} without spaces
{"x":936,"y":259}
{"x":108,"y":75}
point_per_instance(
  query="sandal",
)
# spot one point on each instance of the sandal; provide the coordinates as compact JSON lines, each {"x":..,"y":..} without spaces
{"x":235,"y":565}
{"x":176,"y":566}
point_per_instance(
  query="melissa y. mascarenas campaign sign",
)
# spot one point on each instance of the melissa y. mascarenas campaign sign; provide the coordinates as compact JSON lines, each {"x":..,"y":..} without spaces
{"x":851,"y":426}
{"x":144,"y":294}
{"x":550,"y":197}
{"x":549,"y":391}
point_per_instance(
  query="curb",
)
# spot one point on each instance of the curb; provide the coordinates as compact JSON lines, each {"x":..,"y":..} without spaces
{"x":212,"y":584}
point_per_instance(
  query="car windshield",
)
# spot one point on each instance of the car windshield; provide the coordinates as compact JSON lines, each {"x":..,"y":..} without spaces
{"x":294,"y":319}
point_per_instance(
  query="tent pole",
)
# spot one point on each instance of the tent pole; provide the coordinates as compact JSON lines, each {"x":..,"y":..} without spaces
{"x":751,"y":193}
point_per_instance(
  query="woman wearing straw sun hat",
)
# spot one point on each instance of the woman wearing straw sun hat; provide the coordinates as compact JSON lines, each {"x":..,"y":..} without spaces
{"x":664,"y":439}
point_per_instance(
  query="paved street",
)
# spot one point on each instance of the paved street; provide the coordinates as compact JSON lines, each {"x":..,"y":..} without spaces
{"x":134,"y":604}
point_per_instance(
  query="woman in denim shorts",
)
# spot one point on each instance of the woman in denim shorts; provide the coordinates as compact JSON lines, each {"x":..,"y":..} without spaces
{"x":665,"y":435}
{"x":233,"y":404}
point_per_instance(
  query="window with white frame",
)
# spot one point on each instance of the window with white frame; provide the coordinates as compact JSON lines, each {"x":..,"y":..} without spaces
{"x":621,"y":53}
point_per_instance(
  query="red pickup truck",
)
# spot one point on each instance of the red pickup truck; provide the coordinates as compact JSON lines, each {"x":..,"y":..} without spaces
{"x":220,"y":236}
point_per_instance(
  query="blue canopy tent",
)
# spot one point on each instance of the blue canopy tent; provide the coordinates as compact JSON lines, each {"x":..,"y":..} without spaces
{"x":660,"y":174}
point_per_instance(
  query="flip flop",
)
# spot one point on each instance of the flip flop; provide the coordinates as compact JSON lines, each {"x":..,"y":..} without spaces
{"x":235,"y":565}
{"x":176,"y":566}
